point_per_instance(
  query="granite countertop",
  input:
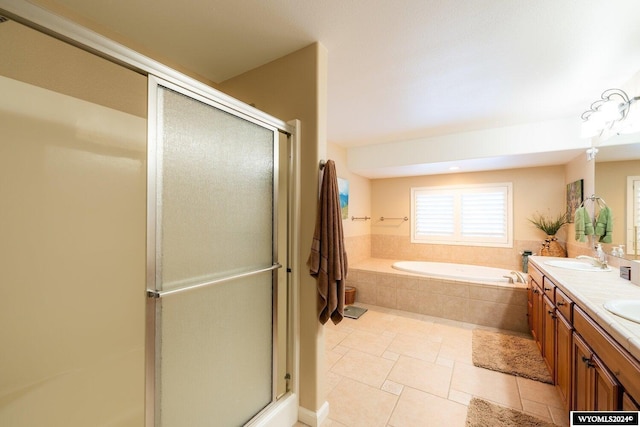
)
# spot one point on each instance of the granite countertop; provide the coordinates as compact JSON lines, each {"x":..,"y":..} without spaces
{"x":590,"y":290}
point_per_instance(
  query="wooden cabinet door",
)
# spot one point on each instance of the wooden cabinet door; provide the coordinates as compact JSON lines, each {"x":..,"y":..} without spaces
{"x":582,"y":376}
{"x":549,"y":335}
{"x":530,"y":306}
{"x":606,"y":389}
{"x":628,"y":404}
{"x":536,"y":308}
{"x":563,"y":360}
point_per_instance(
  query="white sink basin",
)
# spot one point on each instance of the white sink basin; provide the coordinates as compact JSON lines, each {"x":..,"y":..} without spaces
{"x":629,"y":309}
{"x":576,"y":265}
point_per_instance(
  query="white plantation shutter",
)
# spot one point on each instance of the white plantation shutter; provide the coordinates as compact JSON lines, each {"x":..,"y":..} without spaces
{"x":478,"y":215}
{"x":435,"y":214}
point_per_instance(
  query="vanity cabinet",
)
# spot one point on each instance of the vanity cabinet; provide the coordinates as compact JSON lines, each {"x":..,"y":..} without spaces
{"x":591,"y":371}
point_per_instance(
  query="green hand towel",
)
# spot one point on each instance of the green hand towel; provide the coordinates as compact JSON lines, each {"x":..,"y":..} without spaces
{"x":604,"y":225}
{"x":582,"y":224}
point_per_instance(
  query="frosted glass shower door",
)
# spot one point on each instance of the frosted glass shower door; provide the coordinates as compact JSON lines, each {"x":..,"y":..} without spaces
{"x":215,"y":270}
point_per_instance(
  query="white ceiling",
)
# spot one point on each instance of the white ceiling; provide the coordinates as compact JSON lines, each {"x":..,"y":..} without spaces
{"x":408,"y":69}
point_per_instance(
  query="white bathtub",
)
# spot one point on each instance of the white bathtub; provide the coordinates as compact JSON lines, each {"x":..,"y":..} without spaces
{"x":451,"y":271}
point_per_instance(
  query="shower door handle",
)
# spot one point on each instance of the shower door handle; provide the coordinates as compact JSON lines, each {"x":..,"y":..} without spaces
{"x":159,"y":294}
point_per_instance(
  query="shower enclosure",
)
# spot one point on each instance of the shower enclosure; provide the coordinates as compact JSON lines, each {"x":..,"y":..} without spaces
{"x":213,"y":261}
{"x":146,"y":240}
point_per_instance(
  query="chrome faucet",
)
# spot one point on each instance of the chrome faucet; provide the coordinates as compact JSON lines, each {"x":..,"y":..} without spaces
{"x":601,"y":261}
{"x":518,"y":279}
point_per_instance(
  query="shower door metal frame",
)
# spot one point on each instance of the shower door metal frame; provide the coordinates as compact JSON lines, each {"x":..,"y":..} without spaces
{"x":154,"y":215}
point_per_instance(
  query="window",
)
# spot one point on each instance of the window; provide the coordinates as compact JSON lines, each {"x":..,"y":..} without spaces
{"x":472,"y":215}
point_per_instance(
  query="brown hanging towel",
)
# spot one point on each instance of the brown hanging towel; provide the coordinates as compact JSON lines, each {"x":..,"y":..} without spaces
{"x":328,"y":259}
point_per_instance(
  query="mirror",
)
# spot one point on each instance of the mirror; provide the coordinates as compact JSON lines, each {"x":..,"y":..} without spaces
{"x":617,"y":160}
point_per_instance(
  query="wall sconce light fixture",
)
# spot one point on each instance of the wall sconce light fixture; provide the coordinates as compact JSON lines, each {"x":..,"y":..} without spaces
{"x":608,"y":112}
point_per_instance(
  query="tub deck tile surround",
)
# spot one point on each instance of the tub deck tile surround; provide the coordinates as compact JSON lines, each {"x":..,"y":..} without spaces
{"x":495,"y":305}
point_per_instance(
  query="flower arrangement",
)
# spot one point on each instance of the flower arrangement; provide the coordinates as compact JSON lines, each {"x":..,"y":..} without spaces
{"x":549,"y":225}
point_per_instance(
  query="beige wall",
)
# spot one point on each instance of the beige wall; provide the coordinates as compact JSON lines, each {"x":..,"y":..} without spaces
{"x":46,"y":62}
{"x":357,"y":232}
{"x":535,"y":190}
{"x":294,"y":87}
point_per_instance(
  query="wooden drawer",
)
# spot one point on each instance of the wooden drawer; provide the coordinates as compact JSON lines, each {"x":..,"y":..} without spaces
{"x":549,"y":288}
{"x":564,"y":305}
{"x":618,"y":360}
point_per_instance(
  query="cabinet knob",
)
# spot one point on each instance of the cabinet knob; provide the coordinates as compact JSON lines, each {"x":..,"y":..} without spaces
{"x":536,"y":291}
{"x":547,"y":289}
{"x":561,"y":303}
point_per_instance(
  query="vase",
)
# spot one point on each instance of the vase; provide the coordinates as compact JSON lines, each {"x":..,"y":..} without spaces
{"x":551,"y":247}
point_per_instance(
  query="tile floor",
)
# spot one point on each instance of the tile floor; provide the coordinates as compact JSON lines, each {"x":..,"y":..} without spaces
{"x":393,"y":368}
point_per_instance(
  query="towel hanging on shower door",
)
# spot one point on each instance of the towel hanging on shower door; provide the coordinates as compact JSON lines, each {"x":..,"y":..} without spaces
{"x":328,"y":258}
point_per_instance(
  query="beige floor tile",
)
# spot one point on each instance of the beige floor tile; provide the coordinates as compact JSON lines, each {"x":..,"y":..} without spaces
{"x":331,"y":357}
{"x":345,"y":326}
{"x":410,"y":326}
{"x":450,"y":329}
{"x":457,"y":349}
{"x":375,"y":319}
{"x":442,"y":361}
{"x":422,"y":375}
{"x":559,"y":416}
{"x":460,"y":397}
{"x":417,"y":408}
{"x":536,"y":409}
{"x":539,"y":392}
{"x":368,"y":342}
{"x":390,"y":355}
{"x":333,"y":337}
{"x":331,"y":380}
{"x":332,"y":423}
{"x":393,"y":388}
{"x":418,"y":348}
{"x":363,"y":367}
{"x":340,"y":349}
{"x":358,"y":405}
{"x":494,"y":386}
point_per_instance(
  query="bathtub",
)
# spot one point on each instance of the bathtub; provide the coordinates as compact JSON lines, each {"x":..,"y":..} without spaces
{"x":445,"y":270}
{"x":470,"y":294}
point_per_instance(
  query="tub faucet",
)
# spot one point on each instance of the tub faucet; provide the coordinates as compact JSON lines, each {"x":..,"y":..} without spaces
{"x":519,"y":277}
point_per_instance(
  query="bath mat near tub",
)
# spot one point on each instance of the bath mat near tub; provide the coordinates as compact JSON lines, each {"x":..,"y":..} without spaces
{"x":509,"y":354}
{"x":482,"y":414}
{"x":353,"y":312}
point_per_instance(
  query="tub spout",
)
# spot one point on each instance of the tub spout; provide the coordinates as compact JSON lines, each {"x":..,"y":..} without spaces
{"x":510,"y":278}
{"x":519,"y":277}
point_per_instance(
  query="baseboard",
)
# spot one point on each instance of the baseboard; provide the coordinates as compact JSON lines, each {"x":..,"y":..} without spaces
{"x":314,"y":418}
